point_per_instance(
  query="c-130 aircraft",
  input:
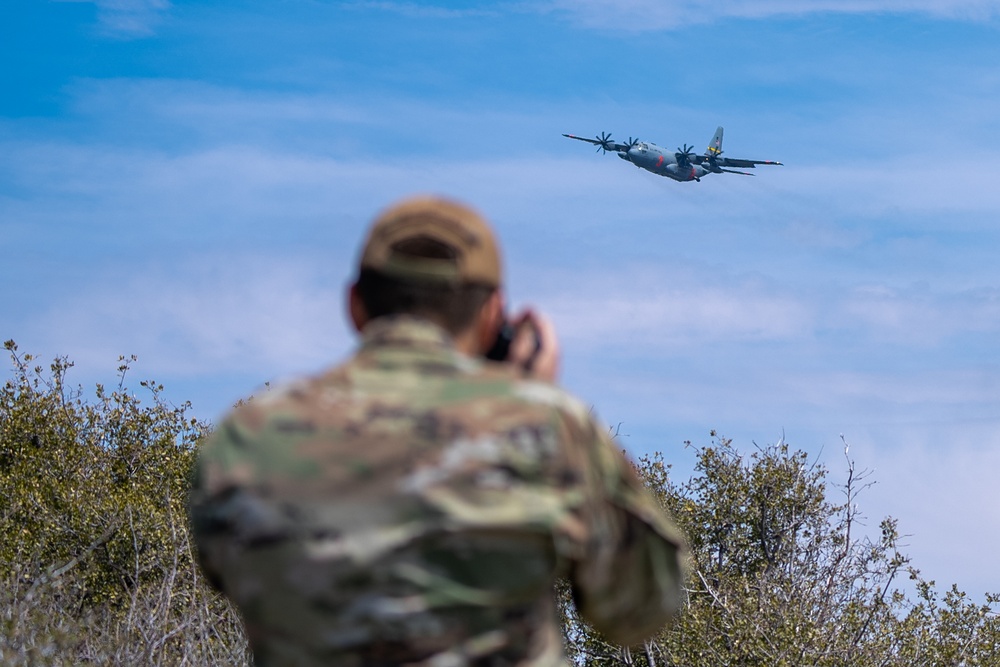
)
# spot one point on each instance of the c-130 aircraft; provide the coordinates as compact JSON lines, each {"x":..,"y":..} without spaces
{"x":682,"y":165}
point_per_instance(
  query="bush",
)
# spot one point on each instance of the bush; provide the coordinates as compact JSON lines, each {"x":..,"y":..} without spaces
{"x":97,"y":566}
{"x":782,"y":576}
{"x":95,"y":560}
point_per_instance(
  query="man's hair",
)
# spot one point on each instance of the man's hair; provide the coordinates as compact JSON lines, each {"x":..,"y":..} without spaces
{"x":452,"y":305}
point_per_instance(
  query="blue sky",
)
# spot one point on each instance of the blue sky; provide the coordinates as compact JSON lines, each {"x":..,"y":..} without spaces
{"x":188,"y":182}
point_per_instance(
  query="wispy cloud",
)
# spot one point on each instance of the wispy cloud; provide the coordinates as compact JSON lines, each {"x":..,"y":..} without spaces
{"x":953,"y":467}
{"x":918,"y":317}
{"x":642,"y":306}
{"x":691,"y":307}
{"x":644,"y":15}
{"x":419,"y":10}
{"x":205,"y":314}
{"x":128,"y":19}
{"x":209,"y":228}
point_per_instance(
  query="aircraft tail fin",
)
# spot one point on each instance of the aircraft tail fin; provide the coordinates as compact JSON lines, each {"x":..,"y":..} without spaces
{"x":715,"y":146}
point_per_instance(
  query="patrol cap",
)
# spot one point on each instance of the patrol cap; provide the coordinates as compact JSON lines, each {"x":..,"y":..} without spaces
{"x":433,"y":239}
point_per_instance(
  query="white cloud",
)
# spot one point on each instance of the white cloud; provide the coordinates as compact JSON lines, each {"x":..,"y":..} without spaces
{"x":201,"y":316}
{"x":642,"y":15}
{"x":903,"y":175}
{"x":919,"y":317}
{"x":416,"y":10}
{"x":923,"y":396}
{"x":894,"y":185}
{"x":635,"y":306}
{"x":128,"y":18}
{"x":214,"y":194}
{"x":700,"y":315}
{"x":940,"y":483}
{"x":812,"y":232}
{"x":692,"y":305}
{"x":271,"y":314}
{"x":197,"y":104}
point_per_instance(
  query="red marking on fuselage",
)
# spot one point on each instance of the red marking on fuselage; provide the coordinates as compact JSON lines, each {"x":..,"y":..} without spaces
{"x":659,"y":162}
{"x":692,"y":174}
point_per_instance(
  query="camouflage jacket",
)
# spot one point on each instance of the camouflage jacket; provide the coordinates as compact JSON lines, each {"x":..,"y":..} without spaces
{"x":415,"y":507}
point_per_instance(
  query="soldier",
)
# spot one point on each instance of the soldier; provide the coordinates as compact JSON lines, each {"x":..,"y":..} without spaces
{"x":415,"y":505}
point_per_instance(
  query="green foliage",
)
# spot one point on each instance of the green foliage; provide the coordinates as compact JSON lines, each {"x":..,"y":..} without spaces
{"x":781,"y":576}
{"x":94,"y":552}
{"x":96,"y":564}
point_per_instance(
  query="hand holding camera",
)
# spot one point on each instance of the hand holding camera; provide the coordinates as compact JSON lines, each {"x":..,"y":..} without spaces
{"x":529,"y":342}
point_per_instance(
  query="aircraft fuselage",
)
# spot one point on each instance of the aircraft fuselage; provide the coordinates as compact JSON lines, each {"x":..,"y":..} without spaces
{"x":662,"y":162}
{"x":682,"y":165}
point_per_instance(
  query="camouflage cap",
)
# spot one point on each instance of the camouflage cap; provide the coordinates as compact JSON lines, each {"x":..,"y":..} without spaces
{"x":433,"y":239}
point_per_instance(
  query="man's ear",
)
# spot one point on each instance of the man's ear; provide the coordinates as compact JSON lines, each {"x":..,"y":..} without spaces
{"x":356,"y":308}
{"x":490,"y":320}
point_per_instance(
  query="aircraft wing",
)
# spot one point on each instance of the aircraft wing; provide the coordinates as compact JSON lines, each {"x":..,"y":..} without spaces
{"x":733,"y":162}
{"x":607,"y":144}
{"x":737,"y":162}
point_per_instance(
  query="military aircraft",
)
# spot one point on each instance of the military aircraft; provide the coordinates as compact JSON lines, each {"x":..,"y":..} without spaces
{"x":682,"y":165}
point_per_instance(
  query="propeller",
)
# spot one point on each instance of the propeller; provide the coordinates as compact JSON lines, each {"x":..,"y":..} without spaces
{"x":604,"y":142}
{"x":713,"y":165}
{"x":713,"y":160}
{"x":683,"y":155}
{"x":631,"y":143}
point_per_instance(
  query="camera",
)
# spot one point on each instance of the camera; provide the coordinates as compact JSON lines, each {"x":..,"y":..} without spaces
{"x":501,"y":346}
{"x":500,"y":350}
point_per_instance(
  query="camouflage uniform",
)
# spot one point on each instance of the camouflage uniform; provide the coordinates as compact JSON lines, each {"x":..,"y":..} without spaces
{"x":414,"y":506}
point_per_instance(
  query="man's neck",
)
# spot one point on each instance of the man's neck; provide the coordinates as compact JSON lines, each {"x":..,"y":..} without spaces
{"x":467,"y":342}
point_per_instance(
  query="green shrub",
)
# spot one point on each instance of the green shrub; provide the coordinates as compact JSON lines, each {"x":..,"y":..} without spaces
{"x":95,"y":559}
{"x":781,"y":576}
{"x":97,"y":566}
